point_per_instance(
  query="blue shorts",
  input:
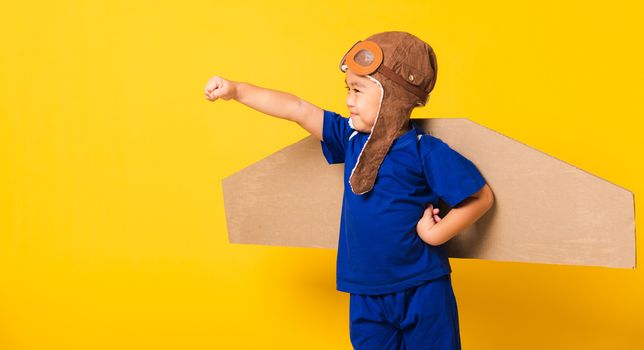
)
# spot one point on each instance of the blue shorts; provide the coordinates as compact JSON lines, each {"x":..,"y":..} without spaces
{"x":423,"y":317}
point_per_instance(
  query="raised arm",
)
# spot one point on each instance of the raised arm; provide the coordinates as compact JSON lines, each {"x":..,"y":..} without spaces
{"x":272,"y":102}
{"x":311,"y":118}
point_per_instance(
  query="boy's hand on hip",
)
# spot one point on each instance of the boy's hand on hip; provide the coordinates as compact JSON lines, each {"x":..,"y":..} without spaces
{"x":218,"y":87}
{"x":429,"y":219}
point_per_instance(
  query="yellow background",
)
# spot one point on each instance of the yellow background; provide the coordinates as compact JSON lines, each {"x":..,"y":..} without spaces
{"x":113,"y":232}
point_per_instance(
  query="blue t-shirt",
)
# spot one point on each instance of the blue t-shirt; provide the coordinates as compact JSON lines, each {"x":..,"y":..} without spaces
{"x":379,"y":250}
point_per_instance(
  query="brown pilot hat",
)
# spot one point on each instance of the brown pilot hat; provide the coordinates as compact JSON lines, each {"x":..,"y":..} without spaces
{"x":405,"y":69}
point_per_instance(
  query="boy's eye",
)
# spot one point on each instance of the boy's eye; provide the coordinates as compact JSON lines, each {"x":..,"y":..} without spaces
{"x":346,"y":87}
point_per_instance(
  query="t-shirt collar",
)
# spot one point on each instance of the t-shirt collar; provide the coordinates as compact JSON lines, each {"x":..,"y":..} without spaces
{"x":406,"y":138}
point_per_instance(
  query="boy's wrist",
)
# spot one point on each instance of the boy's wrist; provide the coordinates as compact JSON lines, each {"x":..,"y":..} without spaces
{"x":426,"y":234}
{"x":235,"y":87}
{"x":437,"y":234}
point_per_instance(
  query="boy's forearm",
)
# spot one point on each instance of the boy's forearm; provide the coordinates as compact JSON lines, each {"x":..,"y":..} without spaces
{"x":272,"y":102}
{"x":456,"y":220}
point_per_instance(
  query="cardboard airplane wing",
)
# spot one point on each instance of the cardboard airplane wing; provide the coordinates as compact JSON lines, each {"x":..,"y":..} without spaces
{"x":545,"y":210}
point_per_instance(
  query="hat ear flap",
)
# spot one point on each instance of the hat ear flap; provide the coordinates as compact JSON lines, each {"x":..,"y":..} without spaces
{"x":389,"y":122}
{"x":363,"y":175}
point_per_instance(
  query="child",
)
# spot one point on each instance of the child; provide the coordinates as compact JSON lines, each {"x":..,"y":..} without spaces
{"x":390,"y":254}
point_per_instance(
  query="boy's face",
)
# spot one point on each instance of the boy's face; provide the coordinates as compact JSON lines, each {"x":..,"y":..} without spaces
{"x":363,"y":100}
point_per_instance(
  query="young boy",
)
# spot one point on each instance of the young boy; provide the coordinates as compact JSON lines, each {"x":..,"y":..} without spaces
{"x":390,"y":254}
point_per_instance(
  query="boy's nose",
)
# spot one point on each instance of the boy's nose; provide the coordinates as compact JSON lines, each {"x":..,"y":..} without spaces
{"x":349,"y":101}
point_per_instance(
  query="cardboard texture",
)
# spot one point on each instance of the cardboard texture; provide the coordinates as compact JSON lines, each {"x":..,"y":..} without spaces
{"x":545,"y":210}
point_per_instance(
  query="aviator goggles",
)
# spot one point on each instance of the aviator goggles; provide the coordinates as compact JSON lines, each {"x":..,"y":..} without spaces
{"x":366,"y":57}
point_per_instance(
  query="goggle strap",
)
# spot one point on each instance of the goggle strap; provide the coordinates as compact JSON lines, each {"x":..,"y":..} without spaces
{"x":422,"y":95}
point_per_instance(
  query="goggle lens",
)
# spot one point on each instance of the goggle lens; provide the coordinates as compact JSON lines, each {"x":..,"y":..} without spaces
{"x":363,"y":58}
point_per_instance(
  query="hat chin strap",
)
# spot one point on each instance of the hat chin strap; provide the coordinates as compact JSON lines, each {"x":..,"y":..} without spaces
{"x":382,"y":95}
{"x":386,"y":71}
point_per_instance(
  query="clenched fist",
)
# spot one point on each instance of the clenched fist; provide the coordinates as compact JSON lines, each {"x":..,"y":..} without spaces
{"x":218,"y":87}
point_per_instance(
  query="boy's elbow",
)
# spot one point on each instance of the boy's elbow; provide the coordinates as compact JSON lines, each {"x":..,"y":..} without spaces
{"x":489,"y":196}
{"x":294,"y":111}
{"x":486,"y":196}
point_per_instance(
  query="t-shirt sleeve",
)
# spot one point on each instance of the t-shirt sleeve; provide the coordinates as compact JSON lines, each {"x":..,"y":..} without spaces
{"x":335,"y":137}
{"x":449,"y":174}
